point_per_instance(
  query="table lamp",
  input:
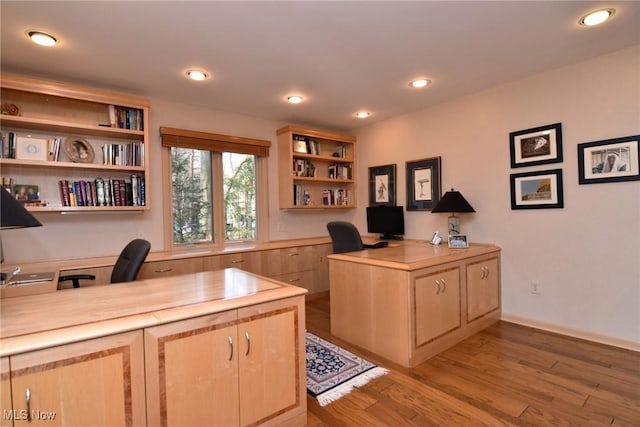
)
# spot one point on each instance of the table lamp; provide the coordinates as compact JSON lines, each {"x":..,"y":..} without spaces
{"x":452,"y":201}
{"x":13,"y":215}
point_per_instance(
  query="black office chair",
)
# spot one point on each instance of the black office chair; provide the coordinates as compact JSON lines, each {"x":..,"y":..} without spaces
{"x":345,"y":237}
{"x":125,"y":269}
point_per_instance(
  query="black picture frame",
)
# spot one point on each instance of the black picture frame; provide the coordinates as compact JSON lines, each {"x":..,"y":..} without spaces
{"x":424,"y":184}
{"x":382,"y":185}
{"x":536,"y":146}
{"x":537,"y":190}
{"x":594,"y":160}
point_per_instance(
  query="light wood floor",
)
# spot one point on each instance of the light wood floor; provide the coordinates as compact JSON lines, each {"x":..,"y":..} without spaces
{"x":506,"y":375}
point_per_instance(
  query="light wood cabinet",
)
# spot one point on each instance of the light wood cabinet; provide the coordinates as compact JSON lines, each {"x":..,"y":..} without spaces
{"x":98,"y":382}
{"x":317,"y":169}
{"x":176,"y":267}
{"x":240,"y":367}
{"x":102,"y":274}
{"x":483,"y":287}
{"x":51,"y":110}
{"x":437,"y":304}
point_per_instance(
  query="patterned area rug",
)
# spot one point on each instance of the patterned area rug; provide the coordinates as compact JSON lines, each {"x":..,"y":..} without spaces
{"x":333,"y":372}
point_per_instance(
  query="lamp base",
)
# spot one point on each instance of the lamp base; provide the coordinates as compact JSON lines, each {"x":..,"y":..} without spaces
{"x":454,"y":225}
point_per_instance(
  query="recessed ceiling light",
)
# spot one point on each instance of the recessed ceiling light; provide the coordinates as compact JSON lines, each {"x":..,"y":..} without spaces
{"x":363,"y":114}
{"x":597,"y":17}
{"x":197,"y":75}
{"x":294,"y":99}
{"x":419,"y":83}
{"x":42,"y":39}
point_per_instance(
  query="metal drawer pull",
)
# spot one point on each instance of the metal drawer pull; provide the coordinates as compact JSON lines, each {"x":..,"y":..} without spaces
{"x":297,"y":279}
{"x":485,"y":272}
{"x":240,"y":261}
{"x":444,"y":285}
{"x":27,"y":395}
{"x":230,"y":348}
{"x":438,"y":285}
{"x":294,"y":254}
{"x":248,"y":338}
{"x":166,"y":270}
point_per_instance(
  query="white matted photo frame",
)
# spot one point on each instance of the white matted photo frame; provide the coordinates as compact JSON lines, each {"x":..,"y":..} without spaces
{"x":609,"y":160}
{"x":536,"y":146}
{"x":28,"y":148}
{"x":458,"y":241}
{"x":537,"y":190}
{"x":382,"y":185}
{"x":423,"y":184}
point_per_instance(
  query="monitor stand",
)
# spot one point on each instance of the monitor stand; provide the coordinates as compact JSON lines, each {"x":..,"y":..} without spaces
{"x":387,"y":236}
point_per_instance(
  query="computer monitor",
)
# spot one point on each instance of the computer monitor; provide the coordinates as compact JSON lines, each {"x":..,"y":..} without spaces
{"x":388,"y":221}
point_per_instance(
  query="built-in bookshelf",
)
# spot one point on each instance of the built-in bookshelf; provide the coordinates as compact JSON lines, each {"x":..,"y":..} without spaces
{"x":316,"y":169}
{"x":60,"y":141}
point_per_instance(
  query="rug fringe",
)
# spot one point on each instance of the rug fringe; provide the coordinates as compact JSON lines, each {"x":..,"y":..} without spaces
{"x":347,"y":387}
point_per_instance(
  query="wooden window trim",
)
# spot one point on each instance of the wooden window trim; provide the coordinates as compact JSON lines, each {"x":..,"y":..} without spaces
{"x":183,"y":138}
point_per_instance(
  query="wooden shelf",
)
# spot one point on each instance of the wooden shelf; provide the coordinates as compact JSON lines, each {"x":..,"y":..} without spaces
{"x":302,"y":192}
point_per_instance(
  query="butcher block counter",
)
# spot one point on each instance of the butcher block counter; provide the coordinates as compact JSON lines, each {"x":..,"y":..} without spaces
{"x":221,"y":347}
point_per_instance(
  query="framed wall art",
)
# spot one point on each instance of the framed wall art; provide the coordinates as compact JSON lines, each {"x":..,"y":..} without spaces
{"x":537,"y":190}
{"x":79,"y":150}
{"x":423,"y":184}
{"x":610,"y":160}
{"x":536,"y":146}
{"x":28,"y":148}
{"x":382,"y":185}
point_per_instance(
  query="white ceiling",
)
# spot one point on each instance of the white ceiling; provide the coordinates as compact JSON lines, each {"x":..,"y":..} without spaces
{"x":341,"y":56}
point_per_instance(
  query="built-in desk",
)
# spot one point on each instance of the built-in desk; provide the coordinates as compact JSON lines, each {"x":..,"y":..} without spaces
{"x":198,"y":349}
{"x":409,"y":302}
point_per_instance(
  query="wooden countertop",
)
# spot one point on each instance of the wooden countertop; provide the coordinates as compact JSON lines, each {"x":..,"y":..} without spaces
{"x":413,"y":255}
{"x":39,"y":321}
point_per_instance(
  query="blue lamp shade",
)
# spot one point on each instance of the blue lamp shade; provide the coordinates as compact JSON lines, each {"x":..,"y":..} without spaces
{"x":453,"y":202}
{"x":13,"y":214}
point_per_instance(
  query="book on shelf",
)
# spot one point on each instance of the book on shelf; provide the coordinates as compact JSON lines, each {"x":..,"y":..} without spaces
{"x":336,"y":197}
{"x":302,"y":144}
{"x":304,"y":168}
{"x":126,"y":118}
{"x":102,"y":192}
{"x":129,"y":154}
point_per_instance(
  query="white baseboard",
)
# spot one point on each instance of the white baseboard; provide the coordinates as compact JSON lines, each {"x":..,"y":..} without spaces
{"x":576,"y":333}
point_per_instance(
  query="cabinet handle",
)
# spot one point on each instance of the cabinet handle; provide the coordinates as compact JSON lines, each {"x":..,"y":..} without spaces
{"x":27,"y":395}
{"x":485,"y":272}
{"x":240,"y":261}
{"x":438,"y":285}
{"x":297,"y":279}
{"x":444,"y":285}
{"x":294,"y":254}
{"x":248,"y":338}
{"x":166,"y":270}
{"x":230,"y":348}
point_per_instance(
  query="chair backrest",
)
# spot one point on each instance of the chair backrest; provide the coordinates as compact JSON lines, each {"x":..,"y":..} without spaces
{"x":130,"y":261}
{"x":345,"y":237}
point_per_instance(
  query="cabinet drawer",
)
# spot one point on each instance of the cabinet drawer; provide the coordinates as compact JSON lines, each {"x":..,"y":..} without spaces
{"x":288,"y":260}
{"x":152,"y":270}
{"x":483,"y":287}
{"x":247,"y":261}
{"x":302,"y":279}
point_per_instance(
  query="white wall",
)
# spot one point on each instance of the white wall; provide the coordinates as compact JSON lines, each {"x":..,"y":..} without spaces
{"x":586,"y":256}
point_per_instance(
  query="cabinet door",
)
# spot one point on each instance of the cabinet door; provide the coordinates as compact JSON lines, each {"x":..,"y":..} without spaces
{"x":483,"y":288}
{"x":98,"y":382}
{"x":192,"y":372}
{"x":151,"y":270}
{"x":5,"y":390}
{"x":437,"y":304}
{"x":272,"y":362}
{"x":103,"y":277}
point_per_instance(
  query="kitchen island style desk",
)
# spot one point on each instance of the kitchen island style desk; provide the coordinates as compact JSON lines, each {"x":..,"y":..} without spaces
{"x":221,"y":347}
{"x":410,"y":301}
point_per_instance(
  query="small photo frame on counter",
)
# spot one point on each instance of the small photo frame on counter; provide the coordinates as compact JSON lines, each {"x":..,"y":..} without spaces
{"x":458,"y":241}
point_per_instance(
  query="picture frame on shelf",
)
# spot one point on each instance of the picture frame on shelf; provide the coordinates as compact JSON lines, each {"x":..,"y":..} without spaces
{"x":382,"y":185}
{"x":424,"y":184}
{"x":609,"y":160}
{"x":536,"y":146}
{"x":26,"y":192}
{"x":28,"y":148}
{"x":537,"y":190}
{"x":78,"y":150}
{"x":458,"y":241}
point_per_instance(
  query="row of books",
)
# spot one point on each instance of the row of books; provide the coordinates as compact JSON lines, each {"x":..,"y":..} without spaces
{"x":301,"y":197}
{"x":336,"y":197}
{"x":126,"y":118}
{"x":8,"y":145}
{"x":103,"y":192}
{"x":303,"y":168}
{"x":340,"y":171}
{"x":302,"y":144}
{"x":129,"y":154}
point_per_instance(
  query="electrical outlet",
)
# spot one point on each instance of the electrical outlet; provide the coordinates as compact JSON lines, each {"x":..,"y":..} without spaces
{"x":535,"y":288}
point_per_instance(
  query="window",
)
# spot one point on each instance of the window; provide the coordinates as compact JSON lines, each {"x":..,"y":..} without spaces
{"x":216,"y":184}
